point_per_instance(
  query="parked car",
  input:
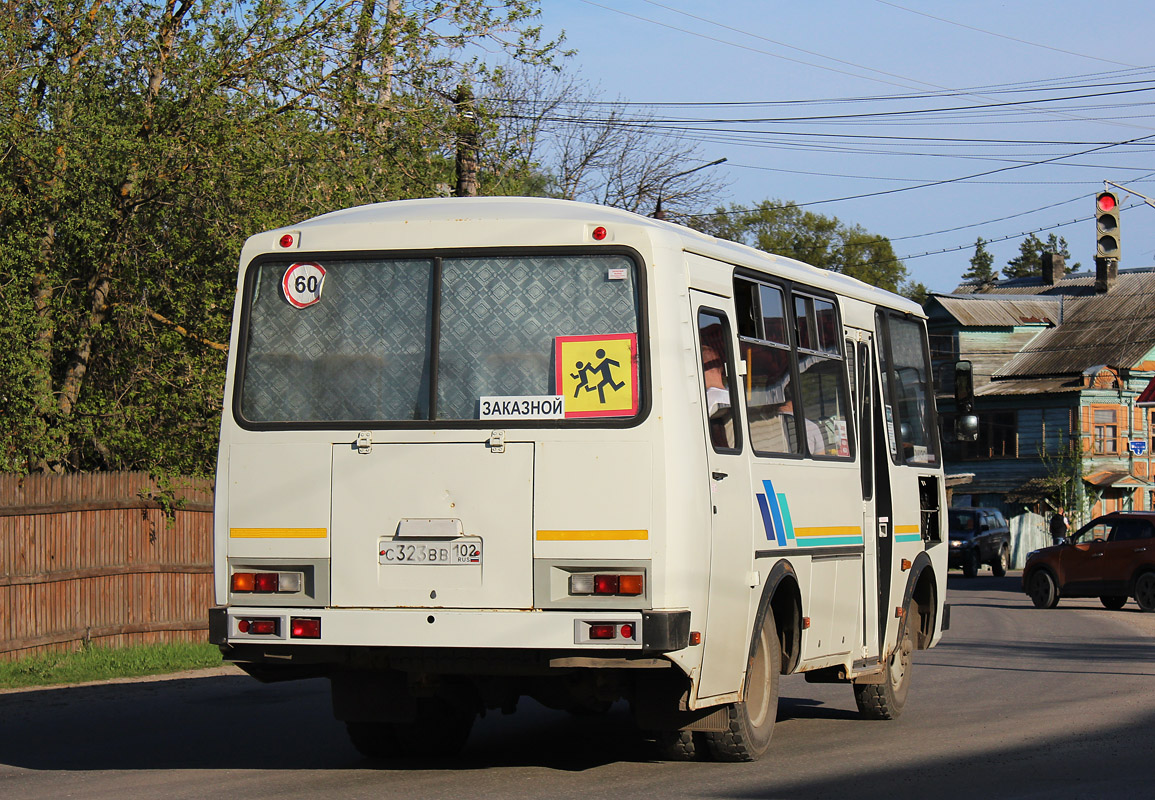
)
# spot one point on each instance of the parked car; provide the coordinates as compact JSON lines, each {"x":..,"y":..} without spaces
{"x":978,"y":536}
{"x":1112,"y":558}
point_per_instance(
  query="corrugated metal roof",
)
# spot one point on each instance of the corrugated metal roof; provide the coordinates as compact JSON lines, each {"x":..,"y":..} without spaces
{"x":1005,"y":388}
{"x":1000,"y":312}
{"x":1076,"y":284}
{"x":1113,"y":328}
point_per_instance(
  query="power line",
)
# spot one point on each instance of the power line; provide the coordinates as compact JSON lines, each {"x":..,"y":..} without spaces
{"x":1002,"y":35}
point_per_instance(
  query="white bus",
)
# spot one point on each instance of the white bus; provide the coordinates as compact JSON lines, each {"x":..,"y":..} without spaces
{"x":479,"y":449}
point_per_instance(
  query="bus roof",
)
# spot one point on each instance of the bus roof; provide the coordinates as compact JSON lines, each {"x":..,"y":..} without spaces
{"x":489,"y":210}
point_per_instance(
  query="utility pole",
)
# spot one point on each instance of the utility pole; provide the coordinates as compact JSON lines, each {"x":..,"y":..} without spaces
{"x":467,"y":142}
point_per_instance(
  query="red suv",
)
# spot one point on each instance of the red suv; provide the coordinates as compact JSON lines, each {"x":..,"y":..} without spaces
{"x":1112,"y":558}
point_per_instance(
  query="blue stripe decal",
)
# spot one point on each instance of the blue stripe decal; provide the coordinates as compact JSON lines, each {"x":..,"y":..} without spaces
{"x":767,"y":522}
{"x":784,"y":504}
{"x":775,"y":509}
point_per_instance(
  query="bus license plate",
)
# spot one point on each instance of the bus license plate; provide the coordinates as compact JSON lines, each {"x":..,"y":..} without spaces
{"x":459,"y":552}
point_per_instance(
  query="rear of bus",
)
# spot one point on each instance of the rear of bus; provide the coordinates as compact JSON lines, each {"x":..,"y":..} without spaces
{"x":438,"y":465}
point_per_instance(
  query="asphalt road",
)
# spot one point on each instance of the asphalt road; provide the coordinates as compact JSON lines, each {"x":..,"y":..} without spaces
{"x":1016,"y":702}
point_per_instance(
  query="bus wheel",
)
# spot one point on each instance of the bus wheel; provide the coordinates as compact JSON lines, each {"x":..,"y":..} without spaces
{"x":752,"y":718}
{"x":676,"y":746}
{"x":885,"y":700}
{"x":440,"y":729}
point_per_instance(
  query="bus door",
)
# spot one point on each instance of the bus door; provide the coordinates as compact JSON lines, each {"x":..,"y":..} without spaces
{"x":731,"y":552}
{"x":875,"y":503}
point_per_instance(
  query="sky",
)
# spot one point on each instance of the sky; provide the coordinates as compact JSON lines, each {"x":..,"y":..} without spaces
{"x":929,"y":122}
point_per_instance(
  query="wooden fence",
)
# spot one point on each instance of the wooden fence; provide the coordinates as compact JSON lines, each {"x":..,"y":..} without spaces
{"x":94,"y":558}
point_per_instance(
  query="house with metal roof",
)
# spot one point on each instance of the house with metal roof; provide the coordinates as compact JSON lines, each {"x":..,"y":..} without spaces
{"x":1059,"y":363}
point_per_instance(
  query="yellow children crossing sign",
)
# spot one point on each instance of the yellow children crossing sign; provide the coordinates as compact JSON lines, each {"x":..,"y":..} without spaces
{"x":598,"y":375}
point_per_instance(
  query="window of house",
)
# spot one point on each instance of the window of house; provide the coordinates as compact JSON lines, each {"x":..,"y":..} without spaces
{"x":1106,"y":431}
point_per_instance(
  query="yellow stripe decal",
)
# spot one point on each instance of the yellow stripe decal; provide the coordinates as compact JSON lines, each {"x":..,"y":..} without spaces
{"x":907,"y":529}
{"x":277,"y":533}
{"x":590,"y":536}
{"x":832,"y":530}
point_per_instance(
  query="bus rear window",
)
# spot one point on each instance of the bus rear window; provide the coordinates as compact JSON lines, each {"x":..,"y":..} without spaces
{"x":396,"y":340}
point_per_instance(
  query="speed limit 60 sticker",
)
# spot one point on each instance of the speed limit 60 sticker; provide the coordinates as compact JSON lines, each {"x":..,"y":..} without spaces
{"x":302,"y":284}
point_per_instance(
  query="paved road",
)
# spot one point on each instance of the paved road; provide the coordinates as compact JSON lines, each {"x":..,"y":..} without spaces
{"x":1016,"y":702}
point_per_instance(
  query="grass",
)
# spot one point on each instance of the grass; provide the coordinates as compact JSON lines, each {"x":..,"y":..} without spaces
{"x":99,"y":664}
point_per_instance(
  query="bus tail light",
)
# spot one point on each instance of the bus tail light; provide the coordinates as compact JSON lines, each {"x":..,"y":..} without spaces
{"x":259,"y":626}
{"x":603,"y":631}
{"x":607,"y":584}
{"x":623,"y":632}
{"x":305,"y":628}
{"x":268,"y":582}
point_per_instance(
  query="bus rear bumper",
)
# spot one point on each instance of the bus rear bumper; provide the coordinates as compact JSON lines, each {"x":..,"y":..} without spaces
{"x":646,"y":631}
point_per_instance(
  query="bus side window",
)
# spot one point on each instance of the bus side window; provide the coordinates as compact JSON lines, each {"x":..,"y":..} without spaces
{"x":716,"y":373}
{"x":822,"y":378}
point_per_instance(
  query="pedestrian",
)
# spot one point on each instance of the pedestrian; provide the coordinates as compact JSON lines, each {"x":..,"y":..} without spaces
{"x":1059,"y":526}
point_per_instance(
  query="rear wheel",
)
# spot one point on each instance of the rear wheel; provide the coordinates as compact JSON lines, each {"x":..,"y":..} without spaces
{"x":1001,"y":563}
{"x":440,"y":729}
{"x":1113,"y":601}
{"x":1145,"y":591}
{"x":1042,"y":589}
{"x":752,"y":718}
{"x":885,"y":700}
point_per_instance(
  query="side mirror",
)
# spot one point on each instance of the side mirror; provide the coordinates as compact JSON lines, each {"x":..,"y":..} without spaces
{"x":966,"y":428}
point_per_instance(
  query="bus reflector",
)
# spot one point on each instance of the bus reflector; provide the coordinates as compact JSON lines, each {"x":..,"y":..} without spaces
{"x":602,"y":631}
{"x":305,"y":628}
{"x":627,"y":631}
{"x":258,"y":627}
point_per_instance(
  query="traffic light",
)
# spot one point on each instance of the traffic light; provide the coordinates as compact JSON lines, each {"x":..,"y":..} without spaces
{"x":1107,"y":225}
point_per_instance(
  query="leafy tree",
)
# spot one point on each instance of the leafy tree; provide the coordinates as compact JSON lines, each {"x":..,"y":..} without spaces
{"x":826,"y":242}
{"x":981,"y":270}
{"x":143,"y":140}
{"x":1029,"y":262}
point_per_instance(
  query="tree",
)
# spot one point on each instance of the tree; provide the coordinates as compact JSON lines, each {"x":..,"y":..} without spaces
{"x":143,"y":140}
{"x":785,"y":229}
{"x":981,"y":265}
{"x":581,"y":147}
{"x":1029,"y":262}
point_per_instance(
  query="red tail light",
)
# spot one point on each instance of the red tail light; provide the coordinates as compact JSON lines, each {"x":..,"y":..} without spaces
{"x":265,"y":582}
{"x":603,"y":631}
{"x":259,"y":627}
{"x":606,"y":584}
{"x":305,"y":628}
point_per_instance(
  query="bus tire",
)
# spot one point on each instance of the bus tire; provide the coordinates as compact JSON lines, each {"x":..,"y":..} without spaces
{"x":676,"y":746}
{"x":374,"y":740}
{"x":440,"y":729}
{"x":752,"y":718}
{"x":886,"y":700}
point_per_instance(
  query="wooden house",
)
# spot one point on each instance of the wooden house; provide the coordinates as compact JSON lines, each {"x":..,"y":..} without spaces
{"x":1059,"y":363}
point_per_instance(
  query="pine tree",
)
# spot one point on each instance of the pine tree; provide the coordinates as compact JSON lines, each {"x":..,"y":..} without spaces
{"x":981,"y":265}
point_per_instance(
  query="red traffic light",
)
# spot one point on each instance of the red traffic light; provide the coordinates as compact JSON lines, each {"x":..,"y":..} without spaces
{"x":1106,"y":201}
